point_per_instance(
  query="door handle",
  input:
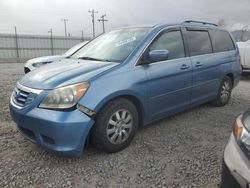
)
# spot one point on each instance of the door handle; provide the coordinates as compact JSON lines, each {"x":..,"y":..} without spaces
{"x":198,"y":64}
{"x":184,"y":66}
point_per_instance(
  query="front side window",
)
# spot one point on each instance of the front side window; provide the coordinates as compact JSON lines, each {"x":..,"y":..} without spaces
{"x":221,"y":41}
{"x":113,"y":46}
{"x":171,"y":41}
{"x":198,"y":42}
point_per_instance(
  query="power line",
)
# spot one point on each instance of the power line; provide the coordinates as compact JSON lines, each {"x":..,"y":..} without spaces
{"x":103,"y":20}
{"x":92,"y":14}
{"x":65,"y":25}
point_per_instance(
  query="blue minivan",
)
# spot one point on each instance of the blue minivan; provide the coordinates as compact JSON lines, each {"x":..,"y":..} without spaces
{"x":122,"y":80}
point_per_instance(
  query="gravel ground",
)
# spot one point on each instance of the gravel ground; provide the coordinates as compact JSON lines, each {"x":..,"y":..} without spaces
{"x":184,"y":150}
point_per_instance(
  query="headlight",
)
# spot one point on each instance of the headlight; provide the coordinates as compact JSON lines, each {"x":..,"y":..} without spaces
{"x":241,"y":133}
{"x":41,"y":64}
{"x":64,"y":97}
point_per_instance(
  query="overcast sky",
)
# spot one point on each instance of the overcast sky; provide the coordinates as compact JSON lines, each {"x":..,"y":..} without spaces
{"x":38,"y":16}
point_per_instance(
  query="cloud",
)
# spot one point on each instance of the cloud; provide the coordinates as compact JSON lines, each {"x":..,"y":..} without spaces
{"x":40,"y":15}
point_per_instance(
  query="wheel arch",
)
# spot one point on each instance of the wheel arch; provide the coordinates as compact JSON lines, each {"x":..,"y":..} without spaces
{"x":131,"y":97}
{"x":135,"y":100}
{"x":231,"y":76}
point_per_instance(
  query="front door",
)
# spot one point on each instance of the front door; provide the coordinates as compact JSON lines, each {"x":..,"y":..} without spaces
{"x":169,"y":82}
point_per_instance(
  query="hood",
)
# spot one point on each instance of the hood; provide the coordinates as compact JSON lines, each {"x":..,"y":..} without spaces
{"x":45,"y":59}
{"x":68,"y":71}
{"x":31,"y":62}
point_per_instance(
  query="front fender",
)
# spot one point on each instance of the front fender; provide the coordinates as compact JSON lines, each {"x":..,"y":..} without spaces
{"x":104,"y":89}
{"x":123,"y":93}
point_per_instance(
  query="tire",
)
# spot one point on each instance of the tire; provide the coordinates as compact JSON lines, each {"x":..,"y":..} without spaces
{"x":224,"y":93}
{"x":227,"y":180}
{"x":115,"y":126}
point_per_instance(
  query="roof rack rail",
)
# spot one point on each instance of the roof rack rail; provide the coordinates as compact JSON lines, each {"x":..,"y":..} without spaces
{"x":200,"y":22}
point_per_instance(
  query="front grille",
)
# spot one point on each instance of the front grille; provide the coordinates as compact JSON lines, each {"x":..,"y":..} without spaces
{"x":20,"y":97}
{"x":23,"y":96}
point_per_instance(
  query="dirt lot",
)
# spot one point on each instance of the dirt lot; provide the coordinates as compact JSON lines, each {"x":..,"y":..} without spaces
{"x":184,"y":150}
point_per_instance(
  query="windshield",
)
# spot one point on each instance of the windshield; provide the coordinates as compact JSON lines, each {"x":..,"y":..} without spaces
{"x":74,"y":49}
{"x":113,"y":46}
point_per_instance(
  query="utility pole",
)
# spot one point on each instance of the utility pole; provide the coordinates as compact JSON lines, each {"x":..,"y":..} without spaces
{"x":65,"y":25}
{"x":92,"y":14}
{"x":51,"y":40}
{"x":103,"y":20}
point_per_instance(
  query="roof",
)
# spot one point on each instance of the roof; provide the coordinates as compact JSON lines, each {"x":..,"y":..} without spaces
{"x":190,"y":23}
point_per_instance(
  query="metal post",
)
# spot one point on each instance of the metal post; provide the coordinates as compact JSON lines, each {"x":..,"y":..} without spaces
{"x":82,"y":36}
{"x":17,"y":49}
{"x":51,"y":39}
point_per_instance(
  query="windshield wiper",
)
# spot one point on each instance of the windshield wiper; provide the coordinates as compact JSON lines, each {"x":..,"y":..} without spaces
{"x":93,"y":59}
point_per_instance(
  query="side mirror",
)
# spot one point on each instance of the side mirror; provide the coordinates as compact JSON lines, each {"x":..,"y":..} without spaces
{"x":158,"y":55}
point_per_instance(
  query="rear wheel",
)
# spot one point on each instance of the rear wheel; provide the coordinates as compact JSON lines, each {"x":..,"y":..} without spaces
{"x":224,"y":92}
{"x":115,"y":126}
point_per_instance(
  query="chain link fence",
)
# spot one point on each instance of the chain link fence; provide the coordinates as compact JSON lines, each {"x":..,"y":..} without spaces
{"x":19,"y":48}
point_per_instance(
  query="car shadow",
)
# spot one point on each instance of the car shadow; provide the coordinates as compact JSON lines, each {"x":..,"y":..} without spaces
{"x":245,"y":77}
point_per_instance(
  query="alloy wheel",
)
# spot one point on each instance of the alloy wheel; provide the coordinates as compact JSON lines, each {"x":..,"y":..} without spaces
{"x":119,"y":126}
{"x":225,"y":91}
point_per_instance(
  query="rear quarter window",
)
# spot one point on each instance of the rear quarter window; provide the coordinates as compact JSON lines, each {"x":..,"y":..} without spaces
{"x":221,"y":41}
{"x":198,"y":42}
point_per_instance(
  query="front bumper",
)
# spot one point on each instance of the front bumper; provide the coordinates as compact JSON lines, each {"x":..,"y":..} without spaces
{"x":63,"y":132}
{"x":237,"y":162}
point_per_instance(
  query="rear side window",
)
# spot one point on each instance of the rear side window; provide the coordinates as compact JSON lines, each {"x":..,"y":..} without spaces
{"x":171,"y":41}
{"x":221,"y":41}
{"x":198,"y":42}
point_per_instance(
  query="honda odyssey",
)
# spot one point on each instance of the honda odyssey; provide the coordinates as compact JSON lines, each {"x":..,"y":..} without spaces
{"x":124,"y":79}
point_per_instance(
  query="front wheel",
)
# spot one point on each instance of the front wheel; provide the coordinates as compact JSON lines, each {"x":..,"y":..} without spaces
{"x":115,"y":126}
{"x":224,"y":92}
